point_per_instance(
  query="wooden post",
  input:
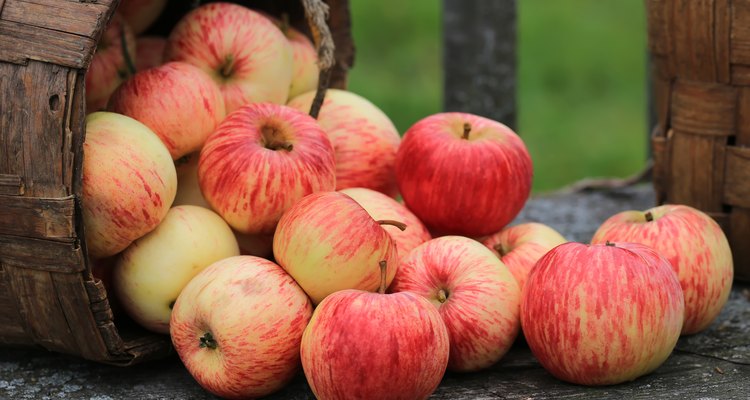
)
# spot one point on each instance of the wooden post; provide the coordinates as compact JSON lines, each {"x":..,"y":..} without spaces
{"x":479,"y":58}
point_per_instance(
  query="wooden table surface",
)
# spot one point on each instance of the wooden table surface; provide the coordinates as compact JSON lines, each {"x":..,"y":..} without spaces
{"x":714,"y":364}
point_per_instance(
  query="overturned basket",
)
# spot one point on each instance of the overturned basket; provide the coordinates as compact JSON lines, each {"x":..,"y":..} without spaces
{"x":700,"y":53}
{"x":48,"y":296}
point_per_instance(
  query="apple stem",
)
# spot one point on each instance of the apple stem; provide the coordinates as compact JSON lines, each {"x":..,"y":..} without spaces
{"x":610,"y":244}
{"x":442,"y":296}
{"x":125,"y":53}
{"x":226,"y":69}
{"x":397,"y":224}
{"x":499,"y":249}
{"x":649,"y":216}
{"x":208,"y":341}
{"x":285,"y":23}
{"x":467,"y":130}
{"x":383,"y":273}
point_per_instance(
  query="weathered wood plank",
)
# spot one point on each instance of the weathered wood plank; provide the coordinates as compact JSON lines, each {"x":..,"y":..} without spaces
{"x":693,"y":40}
{"x":11,"y":185}
{"x":738,"y":241}
{"x":35,"y":217}
{"x":479,"y":58}
{"x":10,"y":319}
{"x":722,"y":40}
{"x":44,"y":255}
{"x":20,"y":43}
{"x":740,"y":51}
{"x":699,"y":185}
{"x":703,"y":109}
{"x":736,"y":188}
{"x":80,"y":18}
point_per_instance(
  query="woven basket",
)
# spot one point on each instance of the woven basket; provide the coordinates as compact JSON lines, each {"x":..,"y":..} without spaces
{"x":700,"y":53}
{"x":48,"y":297}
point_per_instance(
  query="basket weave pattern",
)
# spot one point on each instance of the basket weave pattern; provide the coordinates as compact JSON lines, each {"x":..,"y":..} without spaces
{"x":700,"y":54}
{"x":48,"y":296}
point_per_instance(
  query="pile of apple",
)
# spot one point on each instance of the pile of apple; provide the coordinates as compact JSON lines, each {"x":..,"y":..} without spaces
{"x":260,"y":239}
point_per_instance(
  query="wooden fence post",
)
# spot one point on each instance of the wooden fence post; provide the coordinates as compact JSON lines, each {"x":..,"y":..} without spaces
{"x":479,"y":58}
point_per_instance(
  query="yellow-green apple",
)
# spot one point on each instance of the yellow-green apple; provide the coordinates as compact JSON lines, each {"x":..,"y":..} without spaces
{"x":243,"y":51}
{"x":109,"y":66}
{"x":327,"y":242}
{"x":237,"y":327}
{"x":463,"y":174}
{"x":305,"y":70}
{"x":520,"y":246}
{"x":602,"y":314}
{"x":149,"y":52}
{"x":129,"y":182}
{"x":255,"y":245}
{"x":152,"y":271}
{"x":364,"y":138}
{"x":382,"y":207}
{"x":363,"y":345}
{"x":188,"y":189}
{"x":261,"y":160}
{"x":164,"y":98}
{"x":474,"y":292}
{"x":695,"y":246}
{"x":141,"y":14}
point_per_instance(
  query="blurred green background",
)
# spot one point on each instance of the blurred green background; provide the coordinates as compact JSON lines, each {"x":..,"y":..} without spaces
{"x":581,"y":79}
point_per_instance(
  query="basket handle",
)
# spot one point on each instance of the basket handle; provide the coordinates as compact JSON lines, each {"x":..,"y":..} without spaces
{"x":316,"y":12}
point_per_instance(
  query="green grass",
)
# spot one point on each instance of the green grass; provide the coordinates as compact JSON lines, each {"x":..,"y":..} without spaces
{"x":581,"y":79}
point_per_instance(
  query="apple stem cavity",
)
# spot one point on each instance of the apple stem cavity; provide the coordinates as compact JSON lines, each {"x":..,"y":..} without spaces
{"x":609,"y":244}
{"x":383,"y":273}
{"x":397,"y":224}
{"x":208,"y":341}
{"x":467,"y":130}
{"x":499,"y":249}
{"x":649,"y":216}
{"x":228,"y":67}
{"x":442,"y":296}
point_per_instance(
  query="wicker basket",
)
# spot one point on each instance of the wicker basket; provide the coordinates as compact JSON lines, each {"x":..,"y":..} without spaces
{"x":700,"y":53}
{"x":48,"y":297}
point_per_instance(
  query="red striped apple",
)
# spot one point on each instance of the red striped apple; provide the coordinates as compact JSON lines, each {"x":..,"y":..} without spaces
{"x":141,"y":14}
{"x":165,"y":97}
{"x":109,"y":66}
{"x":695,"y":246}
{"x":129,"y":182}
{"x":237,"y":327}
{"x":602,"y":314}
{"x":261,"y":160}
{"x":382,"y":207}
{"x":305,"y":71}
{"x":463,"y":174}
{"x":364,"y":138}
{"x":362,"y":345}
{"x":519,"y":247}
{"x":243,"y":51}
{"x":152,"y":271}
{"x":474,"y":292}
{"x":327,"y":242}
{"x":149,"y":52}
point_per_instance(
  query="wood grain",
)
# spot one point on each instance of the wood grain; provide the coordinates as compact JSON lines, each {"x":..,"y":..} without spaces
{"x":693,"y":40}
{"x":699,"y":185}
{"x":79,"y":18}
{"x":737,"y":187}
{"x":11,"y":185}
{"x":44,"y":255}
{"x":37,"y":218}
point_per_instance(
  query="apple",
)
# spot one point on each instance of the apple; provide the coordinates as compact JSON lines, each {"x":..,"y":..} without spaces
{"x":149,"y":52}
{"x":237,"y":326}
{"x":363,"y":345}
{"x":382,"y":207}
{"x":519,"y":247}
{"x":364,"y":138}
{"x":243,"y":51}
{"x":141,"y":14}
{"x":327,"y":242}
{"x":463,"y":174}
{"x":255,"y":245}
{"x":129,"y":182}
{"x":696,"y":248}
{"x":305,"y":71}
{"x":152,"y":271}
{"x":165,"y":97}
{"x":261,"y":160}
{"x":602,"y":314}
{"x":476,"y":295}
{"x":109,"y":66}
{"x":188,"y":188}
